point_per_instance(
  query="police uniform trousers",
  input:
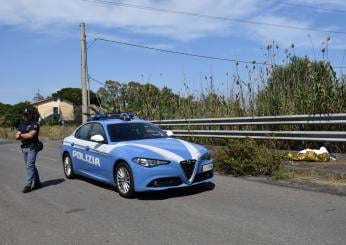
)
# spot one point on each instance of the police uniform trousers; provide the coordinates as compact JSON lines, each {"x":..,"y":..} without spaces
{"x":30,"y":161}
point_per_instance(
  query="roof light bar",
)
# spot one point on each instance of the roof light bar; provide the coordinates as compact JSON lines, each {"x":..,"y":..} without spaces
{"x":121,"y":116}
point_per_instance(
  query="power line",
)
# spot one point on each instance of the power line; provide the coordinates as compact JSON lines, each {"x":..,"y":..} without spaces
{"x":95,"y":80}
{"x":91,"y":44}
{"x":135,"y":6}
{"x":181,"y":53}
{"x":97,"y":96}
{"x":312,"y":7}
{"x":190,"y":54}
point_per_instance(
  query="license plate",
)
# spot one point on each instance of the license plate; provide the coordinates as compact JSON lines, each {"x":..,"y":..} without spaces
{"x":207,"y":167}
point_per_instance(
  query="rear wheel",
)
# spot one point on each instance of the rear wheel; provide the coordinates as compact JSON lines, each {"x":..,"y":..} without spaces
{"x":67,"y":164}
{"x":124,"y":180}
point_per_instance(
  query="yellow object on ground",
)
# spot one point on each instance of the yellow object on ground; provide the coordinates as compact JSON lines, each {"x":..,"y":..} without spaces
{"x":320,"y":155}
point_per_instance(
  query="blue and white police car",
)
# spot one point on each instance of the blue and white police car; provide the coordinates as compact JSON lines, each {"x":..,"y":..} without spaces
{"x":133,"y":155}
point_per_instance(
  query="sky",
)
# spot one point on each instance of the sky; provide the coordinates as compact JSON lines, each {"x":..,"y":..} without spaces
{"x":40,"y":41}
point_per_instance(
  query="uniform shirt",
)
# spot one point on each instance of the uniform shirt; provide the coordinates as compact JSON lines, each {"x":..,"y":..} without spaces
{"x":26,"y":127}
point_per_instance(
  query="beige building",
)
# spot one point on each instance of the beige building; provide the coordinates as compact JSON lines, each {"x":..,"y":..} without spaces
{"x":53,"y":107}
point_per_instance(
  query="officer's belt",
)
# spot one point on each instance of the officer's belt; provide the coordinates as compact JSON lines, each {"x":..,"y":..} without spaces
{"x":27,"y":145}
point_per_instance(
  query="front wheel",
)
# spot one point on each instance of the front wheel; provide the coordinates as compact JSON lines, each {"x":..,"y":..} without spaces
{"x":124,"y":180}
{"x":67,"y":164}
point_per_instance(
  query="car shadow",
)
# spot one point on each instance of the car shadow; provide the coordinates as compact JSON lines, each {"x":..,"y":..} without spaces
{"x":158,"y":195}
{"x":175,"y":193}
{"x":52,"y":182}
{"x":96,"y":183}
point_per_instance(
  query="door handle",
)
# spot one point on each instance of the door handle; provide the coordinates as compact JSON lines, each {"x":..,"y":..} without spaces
{"x":87,"y":148}
{"x":72,"y":144}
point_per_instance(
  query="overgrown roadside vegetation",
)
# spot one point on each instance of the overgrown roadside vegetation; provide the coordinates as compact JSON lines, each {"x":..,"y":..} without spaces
{"x":301,"y":86}
{"x":244,"y":157}
{"x":50,"y":132}
{"x":251,"y":158}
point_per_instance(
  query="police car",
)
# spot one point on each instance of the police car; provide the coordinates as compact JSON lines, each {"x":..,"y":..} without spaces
{"x":133,"y":155}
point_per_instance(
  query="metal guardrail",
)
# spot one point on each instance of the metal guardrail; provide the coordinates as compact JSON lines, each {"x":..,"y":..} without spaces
{"x":339,"y":118}
{"x":334,"y":136}
{"x":331,"y":136}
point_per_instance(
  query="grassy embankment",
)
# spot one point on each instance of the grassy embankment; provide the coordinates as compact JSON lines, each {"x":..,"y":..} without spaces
{"x":51,"y":132}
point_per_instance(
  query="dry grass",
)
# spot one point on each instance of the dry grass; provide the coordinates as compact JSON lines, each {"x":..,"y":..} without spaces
{"x":50,"y":132}
{"x":6,"y":133}
{"x":316,"y":178}
{"x":56,"y":132}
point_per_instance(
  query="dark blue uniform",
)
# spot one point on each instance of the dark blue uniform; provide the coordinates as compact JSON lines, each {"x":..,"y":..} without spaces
{"x":26,"y":127}
{"x":30,"y":152}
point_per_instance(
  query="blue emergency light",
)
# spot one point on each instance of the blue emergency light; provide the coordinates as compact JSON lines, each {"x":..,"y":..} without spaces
{"x":105,"y":116}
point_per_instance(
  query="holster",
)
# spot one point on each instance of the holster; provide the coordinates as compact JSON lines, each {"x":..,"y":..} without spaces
{"x":30,"y":145}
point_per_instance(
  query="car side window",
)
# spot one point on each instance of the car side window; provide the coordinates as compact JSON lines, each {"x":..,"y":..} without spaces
{"x":98,"y":129}
{"x":83,"y":132}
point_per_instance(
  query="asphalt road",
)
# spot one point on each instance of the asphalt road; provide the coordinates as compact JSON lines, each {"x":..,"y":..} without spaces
{"x":234,"y":211}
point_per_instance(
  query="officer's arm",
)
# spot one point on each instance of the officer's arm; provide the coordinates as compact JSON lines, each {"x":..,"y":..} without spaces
{"x":31,"y":134}
{"x":18,"y":134}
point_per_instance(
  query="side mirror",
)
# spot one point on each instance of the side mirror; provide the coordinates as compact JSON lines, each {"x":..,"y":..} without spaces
{"x":97,"y":138}
{"x":169,"y":133}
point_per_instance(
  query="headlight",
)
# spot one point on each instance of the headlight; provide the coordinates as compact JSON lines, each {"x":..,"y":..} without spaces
{"x":146,"y":162}
{"x":206,"y":156}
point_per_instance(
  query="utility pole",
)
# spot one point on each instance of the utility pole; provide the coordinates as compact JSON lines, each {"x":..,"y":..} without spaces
{"x":85,"y":85}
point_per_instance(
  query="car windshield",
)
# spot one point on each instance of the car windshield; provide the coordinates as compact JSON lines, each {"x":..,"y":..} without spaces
{"x":134,"y":131}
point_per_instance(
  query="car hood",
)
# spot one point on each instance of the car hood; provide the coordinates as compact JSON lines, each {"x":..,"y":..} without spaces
{"x":163,"y":148}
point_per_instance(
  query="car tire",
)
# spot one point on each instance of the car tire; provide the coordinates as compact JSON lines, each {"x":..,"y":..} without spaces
{"x":123,"y":179}
{"x":68,"y":166}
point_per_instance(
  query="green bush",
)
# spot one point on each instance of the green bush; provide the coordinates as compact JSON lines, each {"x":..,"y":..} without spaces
{"x":51,"y":122}
{"x":247,"y":157}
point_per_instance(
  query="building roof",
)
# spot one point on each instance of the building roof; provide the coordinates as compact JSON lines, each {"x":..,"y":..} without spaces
{"x":49,"y":99}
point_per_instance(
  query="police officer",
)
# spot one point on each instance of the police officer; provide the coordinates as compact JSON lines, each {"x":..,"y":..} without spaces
{"x":28,"y":133}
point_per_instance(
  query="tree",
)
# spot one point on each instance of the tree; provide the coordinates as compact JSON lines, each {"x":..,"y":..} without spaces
{"x":12,"y":115}
{"x":4,"y":110}
{"x":74,"y":95}
{"x":108,"y":95}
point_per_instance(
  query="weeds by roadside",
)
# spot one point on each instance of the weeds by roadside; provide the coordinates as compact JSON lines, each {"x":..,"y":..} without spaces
{"x":4,"y":133}
{"x":317,"y":178}
{"x":51,"y":132}
{"x":248,"y":157}
{"x":56,"y":132}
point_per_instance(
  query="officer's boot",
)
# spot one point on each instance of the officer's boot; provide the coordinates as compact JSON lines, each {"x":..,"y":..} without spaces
{"x":26,"y":189}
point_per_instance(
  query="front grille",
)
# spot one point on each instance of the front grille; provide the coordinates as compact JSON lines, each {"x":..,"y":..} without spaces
{"x":188,"y":166}
{"x":165,"y":182}
{"x":203,"y":176}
